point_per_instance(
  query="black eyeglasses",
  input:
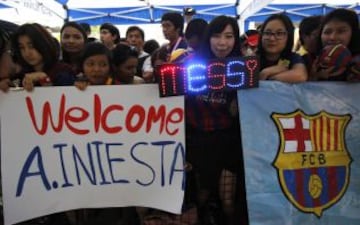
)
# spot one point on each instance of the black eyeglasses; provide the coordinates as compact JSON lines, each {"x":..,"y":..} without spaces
{"x":278,"y":34}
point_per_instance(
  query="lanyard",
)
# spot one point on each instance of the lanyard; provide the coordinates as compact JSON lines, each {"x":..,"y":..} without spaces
{"x":176,"y":44}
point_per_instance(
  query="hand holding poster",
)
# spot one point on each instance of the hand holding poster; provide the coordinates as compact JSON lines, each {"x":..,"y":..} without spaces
{"x":105,"y":147}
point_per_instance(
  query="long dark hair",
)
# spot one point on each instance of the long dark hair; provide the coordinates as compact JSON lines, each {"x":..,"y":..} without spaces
{"x":4,"y":41}
{"x":113,"y":30}
{"x":66,"y":55}
{"x":216,"y":26}
{"x":41,"y":40}
{"x":348,"y":16}
{"x":290,"y":35}
{"x":121,"y":53}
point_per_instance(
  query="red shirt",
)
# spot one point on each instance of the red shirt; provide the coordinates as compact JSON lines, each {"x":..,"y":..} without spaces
{"x":210,"y":112}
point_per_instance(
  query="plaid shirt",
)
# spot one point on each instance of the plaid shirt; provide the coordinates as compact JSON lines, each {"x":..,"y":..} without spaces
{"x":210,"y":112}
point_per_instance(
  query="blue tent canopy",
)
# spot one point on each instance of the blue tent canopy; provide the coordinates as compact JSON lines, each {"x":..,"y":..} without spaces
{"x":143,"y":12}
{"x":124,"y":12}
{"x":150,"y":11}
{"x":4,"y":6}
{"x":139,"y":15}
{"x":297,"y":12}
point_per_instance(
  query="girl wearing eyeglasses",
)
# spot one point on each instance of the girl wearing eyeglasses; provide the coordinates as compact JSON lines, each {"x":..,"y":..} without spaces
{"x":341,"y":26}
{"x":277,"y":61}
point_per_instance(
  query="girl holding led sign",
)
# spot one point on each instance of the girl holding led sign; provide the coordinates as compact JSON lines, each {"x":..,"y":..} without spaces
{"x":277,"y":61}
{"x":213,"y":139}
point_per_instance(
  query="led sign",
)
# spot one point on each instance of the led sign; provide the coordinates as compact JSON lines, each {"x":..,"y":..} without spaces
{"x":213,"y":75}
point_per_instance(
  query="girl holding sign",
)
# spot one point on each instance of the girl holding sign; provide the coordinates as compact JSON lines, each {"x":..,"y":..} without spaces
{"x":213,"y":138}
{"x":38,"y":55}
{"x":95,"y":66}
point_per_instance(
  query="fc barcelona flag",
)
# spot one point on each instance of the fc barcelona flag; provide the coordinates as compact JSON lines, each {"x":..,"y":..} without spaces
{"x":301,"y":148}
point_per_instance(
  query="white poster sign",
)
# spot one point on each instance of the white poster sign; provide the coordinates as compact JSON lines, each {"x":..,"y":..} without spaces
{"x":111,"y":146}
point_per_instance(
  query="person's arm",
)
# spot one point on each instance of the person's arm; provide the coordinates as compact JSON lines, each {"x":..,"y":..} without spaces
{"x":290,"y":70}
{"x":270,"y":71}
{"x":296,"y":74}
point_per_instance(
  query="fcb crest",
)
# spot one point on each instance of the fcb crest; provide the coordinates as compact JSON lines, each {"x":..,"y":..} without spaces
{"x":312,"y":162}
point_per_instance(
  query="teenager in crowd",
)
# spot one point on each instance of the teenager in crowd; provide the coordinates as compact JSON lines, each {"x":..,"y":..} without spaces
{"x":340,"y":26}
{"x":277,"y":61}
{"x":38,"y":56}
{"x":95,"y":66}
{"x":150,"y":47}
{"x":7,"y":66}
{"x":125,"y":59}
{"x":212,"y":126}
{"x":109,"y":35}
{"x":158,"y":57}
{"x":135,"y":36}
{"x":194,"y":33}
{"x":181,"y":51}
{"x":72,"y":41}
{"x":172,"y":24}
{"x":309,"y":32}
{"x":87,"y":29}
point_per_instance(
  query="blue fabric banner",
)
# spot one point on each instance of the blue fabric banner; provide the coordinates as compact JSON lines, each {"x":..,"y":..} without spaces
{"x":301,"y":148}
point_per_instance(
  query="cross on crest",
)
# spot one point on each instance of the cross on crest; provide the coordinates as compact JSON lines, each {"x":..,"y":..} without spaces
{"x":312,"y":162}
